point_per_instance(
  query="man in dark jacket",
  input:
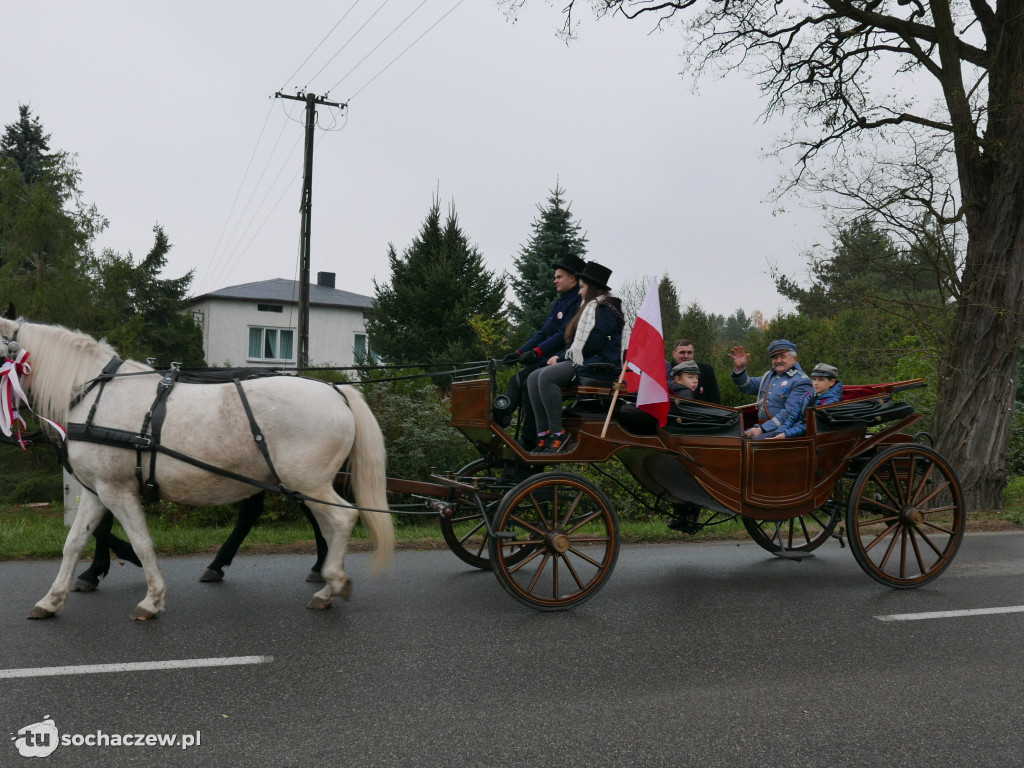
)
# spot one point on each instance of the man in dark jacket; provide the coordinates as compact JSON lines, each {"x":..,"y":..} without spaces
{"x":547,"y":341}
{"x":708,"y":390}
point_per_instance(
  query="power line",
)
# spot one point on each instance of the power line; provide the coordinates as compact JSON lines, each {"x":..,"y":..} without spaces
{"x":336,"y":25}
{"x":255,"y":189}
{"x":388,"y":66}
{"x":213,"y":256}
{"x":345,"y":45}
{"x":378,"y":45}
{"x":255,"y":214}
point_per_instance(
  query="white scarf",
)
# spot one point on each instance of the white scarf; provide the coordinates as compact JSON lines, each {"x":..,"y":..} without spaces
{"x":588,"y":319}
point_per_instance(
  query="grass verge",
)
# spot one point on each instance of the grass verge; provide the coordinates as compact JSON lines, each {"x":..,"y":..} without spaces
{"x":39,"y":532}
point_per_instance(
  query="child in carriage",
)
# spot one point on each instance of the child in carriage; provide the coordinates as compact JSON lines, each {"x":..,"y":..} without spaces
{"x":827,"y":389}
{"x":685,"y":380}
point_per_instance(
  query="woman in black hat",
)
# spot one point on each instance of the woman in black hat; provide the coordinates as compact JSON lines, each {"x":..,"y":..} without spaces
{"x":592,"y":338}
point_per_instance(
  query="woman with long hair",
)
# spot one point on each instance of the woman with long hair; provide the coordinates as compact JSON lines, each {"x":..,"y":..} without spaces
{"x":592,"y":338}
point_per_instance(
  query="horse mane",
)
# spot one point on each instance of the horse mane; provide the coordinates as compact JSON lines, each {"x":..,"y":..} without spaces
{"x":62,"y":361}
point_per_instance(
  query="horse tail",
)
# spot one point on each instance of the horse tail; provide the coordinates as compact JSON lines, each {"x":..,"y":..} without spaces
{"x":368,"y":462}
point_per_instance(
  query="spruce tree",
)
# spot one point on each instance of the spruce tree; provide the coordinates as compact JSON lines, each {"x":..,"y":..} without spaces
{"x":26,"y":144}
{"x":671,"y":318}
{"x":46,"y":230}
{"x":438,"y":286}
{"x":556,"y":234}
{"x":142,"y":314}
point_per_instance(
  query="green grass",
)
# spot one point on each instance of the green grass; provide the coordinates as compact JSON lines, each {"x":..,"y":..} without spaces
{"x":27,"y":532}
{"x":39,"y":532}
{"x":1013,"y":501}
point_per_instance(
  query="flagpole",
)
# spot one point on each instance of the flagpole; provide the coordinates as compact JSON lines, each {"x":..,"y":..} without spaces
{"x":615,"y":396}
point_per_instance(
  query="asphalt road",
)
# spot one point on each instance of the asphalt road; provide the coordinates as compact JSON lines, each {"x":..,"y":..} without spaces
{"x":692,"y":655}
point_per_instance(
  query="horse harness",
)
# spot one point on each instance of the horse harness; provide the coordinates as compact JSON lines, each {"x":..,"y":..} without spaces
{"x":147,"y":439}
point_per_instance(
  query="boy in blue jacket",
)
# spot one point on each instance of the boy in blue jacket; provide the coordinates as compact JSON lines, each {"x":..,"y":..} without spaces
{"x":828,"y":389}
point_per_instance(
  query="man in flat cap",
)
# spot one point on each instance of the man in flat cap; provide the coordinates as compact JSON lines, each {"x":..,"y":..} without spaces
{"x":780,"y":391}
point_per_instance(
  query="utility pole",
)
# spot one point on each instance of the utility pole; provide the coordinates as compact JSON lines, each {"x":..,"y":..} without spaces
{"x":306,"y":210}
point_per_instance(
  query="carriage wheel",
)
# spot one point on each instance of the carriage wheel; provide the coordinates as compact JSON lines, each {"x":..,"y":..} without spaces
{"x":905,"y":519}
{"x":557,"y":541}
{"x":465,"y":532}
{"x":799,"y":534}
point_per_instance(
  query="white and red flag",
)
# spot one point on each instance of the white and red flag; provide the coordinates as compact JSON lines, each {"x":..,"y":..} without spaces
{"x":645,"y":359}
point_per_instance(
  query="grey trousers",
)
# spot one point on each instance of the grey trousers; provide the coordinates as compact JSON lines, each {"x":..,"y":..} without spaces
{"x":545,"y":389}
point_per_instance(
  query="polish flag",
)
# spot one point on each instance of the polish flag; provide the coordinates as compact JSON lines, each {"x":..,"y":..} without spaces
{"x":645,"y":359}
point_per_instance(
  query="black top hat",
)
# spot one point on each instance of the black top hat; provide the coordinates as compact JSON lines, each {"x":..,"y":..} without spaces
{"x":595,"y":275}
{"x":570,"y":263}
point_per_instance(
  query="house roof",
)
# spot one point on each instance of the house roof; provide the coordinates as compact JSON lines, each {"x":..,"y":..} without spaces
{"x":287,"y":292}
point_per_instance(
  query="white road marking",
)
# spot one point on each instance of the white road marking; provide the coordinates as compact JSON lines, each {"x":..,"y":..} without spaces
{"x":951,"y":614}
{"x":137,"y":666}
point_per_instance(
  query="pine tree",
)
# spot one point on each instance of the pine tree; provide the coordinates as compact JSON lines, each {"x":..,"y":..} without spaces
{"x":142,"y":314}
{"x":671,"y":318}
{"x":555,"y":235}
{"x":45,"y":228}
{"x":438,"y":286}
{"x":27,"y":145}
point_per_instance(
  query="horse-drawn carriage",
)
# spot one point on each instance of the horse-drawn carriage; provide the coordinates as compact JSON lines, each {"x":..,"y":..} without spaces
{"x":551,"y":537}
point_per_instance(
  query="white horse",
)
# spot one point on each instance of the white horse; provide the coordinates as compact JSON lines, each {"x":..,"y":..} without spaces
{"x":310,"y":428}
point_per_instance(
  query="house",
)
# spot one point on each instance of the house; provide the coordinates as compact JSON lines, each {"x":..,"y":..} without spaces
{"x":256,"y":324}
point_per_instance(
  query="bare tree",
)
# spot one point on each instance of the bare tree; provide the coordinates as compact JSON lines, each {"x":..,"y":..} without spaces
{"x":855,"y":77}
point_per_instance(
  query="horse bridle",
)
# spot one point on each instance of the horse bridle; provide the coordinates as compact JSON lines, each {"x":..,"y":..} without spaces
{"x":12,"y":345}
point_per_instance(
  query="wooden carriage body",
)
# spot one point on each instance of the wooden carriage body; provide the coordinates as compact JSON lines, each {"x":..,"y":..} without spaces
{"x":701,"y":456}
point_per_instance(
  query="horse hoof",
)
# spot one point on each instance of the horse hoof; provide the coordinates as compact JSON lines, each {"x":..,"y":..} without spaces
{"x":314,"y":577}
{"x":318,"y":603}
{"x":81,"y":585}
{"x":40,"y":613}
{"x":141,"y":614}
{"x":210,"y":575}
{"x":346,"y":591}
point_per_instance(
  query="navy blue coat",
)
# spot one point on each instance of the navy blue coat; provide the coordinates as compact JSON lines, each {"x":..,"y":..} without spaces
{"x":551,"y":337}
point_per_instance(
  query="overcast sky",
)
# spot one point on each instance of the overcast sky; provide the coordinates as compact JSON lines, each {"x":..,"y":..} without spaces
{"x":168,"y":107}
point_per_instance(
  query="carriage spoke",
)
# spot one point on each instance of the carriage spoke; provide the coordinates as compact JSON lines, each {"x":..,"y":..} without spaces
{"x":880,"y":536}
{"x":903,"y":552}
{"x":540,"y":571}
{"x":892,"y":474}
{"x":921,"y":485}
{"x":932,"y":495}
{"x":529,"y":557}
{"x":582,"y":556}
{"x":537,"y":507}
{"x":575,"y":575}
{"x":528,"y":526}
{"x":572,"y":510}
{"x":914,"y":534}
{"x":890,"y":548}
{"x":928,"y":541}
{"x":580,"y":523}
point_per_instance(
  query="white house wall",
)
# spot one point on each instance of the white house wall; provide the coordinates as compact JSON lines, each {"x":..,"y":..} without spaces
{"x":226,"y":326}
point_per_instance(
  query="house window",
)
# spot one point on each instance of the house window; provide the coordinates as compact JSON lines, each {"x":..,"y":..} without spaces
{"x":272,"y":344}
{"x":269,"y":308}
{"x":361,"y":349}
